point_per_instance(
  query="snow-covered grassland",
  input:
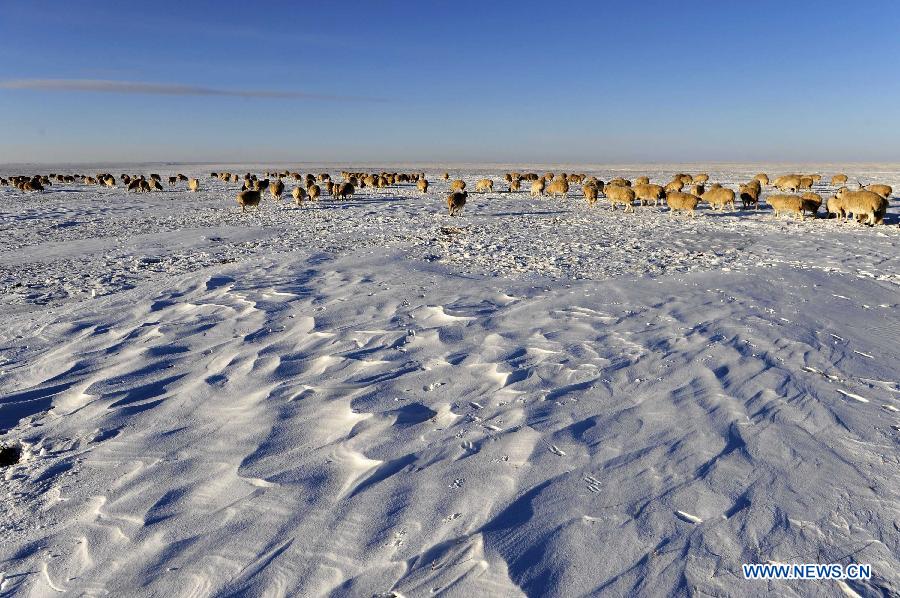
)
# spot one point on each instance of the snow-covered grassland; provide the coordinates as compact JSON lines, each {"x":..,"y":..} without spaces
{"x":367,"y":396}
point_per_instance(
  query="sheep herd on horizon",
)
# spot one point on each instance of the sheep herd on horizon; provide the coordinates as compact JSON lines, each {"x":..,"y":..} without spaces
{"x":683,"y":193}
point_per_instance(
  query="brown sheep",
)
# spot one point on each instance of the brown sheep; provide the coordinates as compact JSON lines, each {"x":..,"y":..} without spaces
{"x":763,"y":178}
{"x":642,"y":180}
{"x":620,"y":182}
{"x":806,"y":182}
{"x":590,"y":193}
{"x":788,"y":182}
{"x":314,"y":192}
{"x":811,"y":202}
{"x":678,"y":201}
{"x":749,"y":193}
{"x":155,"y":185}
{"x":276,"y":189}
{"x":559,"y":187}
{"x":701,"y":178}
{"x":781,"y":203}
{"x":719,"y":197}
{"x":193,"y":185}
{"x":867,"y":206}
{"x":675,"y":186}
{"x":882,"y":190}
{"x":344,"y":190}
{"x":619,"y":194}
{"x":839,"y":179}
{"x":422,"y":185}
{"x":698,"y":189}
{"x":537,"y":188}
{"x":298,"y":194}
{"x":484,"y":185}
{"x":248,"y":198}
{"x":456,"y":201}
{"x":515,"y":184}
{"x":645,"y":193}
{"x":173,"y":180}
{"x":458,"y":185}
{"x":446,"y":176}
{"x":835,"y":207}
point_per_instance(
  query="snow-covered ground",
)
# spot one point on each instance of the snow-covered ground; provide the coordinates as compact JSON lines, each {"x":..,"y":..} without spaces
{"x":368,"y":396}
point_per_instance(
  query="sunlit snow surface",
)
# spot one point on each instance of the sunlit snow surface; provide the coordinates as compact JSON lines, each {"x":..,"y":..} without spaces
{"x":367,"y":396}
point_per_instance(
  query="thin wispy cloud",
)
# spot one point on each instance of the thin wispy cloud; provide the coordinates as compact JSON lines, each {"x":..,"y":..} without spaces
{"x":170,"y":89}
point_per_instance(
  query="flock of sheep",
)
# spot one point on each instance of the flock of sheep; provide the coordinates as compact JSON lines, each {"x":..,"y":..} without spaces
{"x":867,"y":204}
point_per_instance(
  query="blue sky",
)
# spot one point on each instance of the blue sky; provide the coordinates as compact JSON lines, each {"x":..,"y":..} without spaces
{"x":449,"y":81}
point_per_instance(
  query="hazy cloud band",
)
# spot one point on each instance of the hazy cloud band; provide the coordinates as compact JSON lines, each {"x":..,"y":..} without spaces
{"x":134,"y":87}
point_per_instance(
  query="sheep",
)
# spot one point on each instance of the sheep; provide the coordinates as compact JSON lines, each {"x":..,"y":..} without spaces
{"x":344,"y":190}
{"x":642,"y":180}
{"x":839,"y":179}
{"x":786,"y":203}
{"x":698,"y":189}
{"x":559,"y":187}
{"x":248,"y":197}
{"x":701,"y":178}
{"x":788,"y":182}
{"x":882,"y":190}
{"x":276,"y":189}
{"x":675,"y":186}
{"x":484,"y":185}
{"x":155,"y":185}
{"x":811,"y":202}
{"x":456,"y":201}
{"x":749,"y":193}
{"x":261,"y":185}
{"x":619,"y":194}
{"x":590,"y":193}
{"x":135,"y":185}
{"x":298,"y":194}
{"x":515,"y":184}
{"x":458,"y":185}
{"x":620,"y":182}
{"x":173,"y":180}
{"x":193,"y":185}
{"x":763,"y":178}
{"x":110,"y":181}
{"x":422,"y":185}
{"x":446,"y":176}
{"x":835,"y":207}
{"x":806,"y":182}
{"x":719,"y":197}
{"x":314,"y":192}
{"x":181,"y":177}
{"x":537,"y":188}
{"x":867,"y":206}
{"x":155,"y":177}
{"x":645,"y":192}
{"x":686,"y":202}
